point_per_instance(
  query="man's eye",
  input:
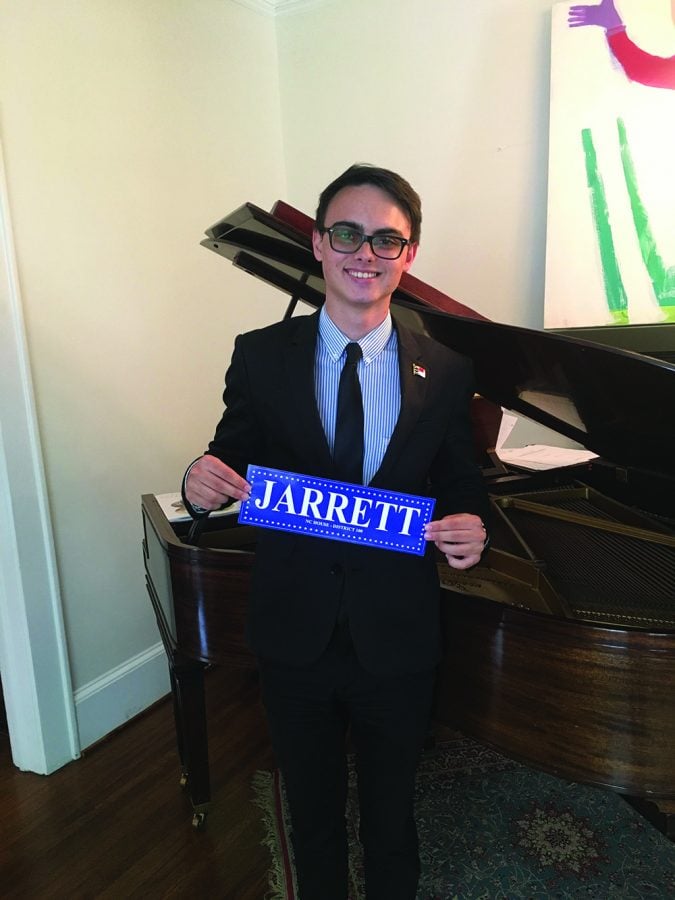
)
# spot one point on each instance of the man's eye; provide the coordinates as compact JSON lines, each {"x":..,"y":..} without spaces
{"x":345,"y":234}
{"x":387,"y":240}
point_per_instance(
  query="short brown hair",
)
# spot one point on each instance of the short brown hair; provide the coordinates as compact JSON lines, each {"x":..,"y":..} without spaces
{"x":400,"y":191}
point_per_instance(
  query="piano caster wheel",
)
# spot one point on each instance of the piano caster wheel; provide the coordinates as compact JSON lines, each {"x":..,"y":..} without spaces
{"x":199,"y":821}
{"x":183,"y":779}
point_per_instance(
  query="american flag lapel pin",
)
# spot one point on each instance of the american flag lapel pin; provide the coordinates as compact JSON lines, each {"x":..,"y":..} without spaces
{"x":419,"y":370}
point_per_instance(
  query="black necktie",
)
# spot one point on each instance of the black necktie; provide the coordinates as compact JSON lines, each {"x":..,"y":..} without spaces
{"x":348,"y":446}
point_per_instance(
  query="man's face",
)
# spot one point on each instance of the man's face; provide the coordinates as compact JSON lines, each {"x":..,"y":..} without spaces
{"x":361,"y":279}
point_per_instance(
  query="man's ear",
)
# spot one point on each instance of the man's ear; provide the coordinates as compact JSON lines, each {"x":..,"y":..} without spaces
{"x":410,"y":254}
{"x":317,"y":244}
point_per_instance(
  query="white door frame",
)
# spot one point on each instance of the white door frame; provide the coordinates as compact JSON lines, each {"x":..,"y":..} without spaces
{"x":33,"y":654}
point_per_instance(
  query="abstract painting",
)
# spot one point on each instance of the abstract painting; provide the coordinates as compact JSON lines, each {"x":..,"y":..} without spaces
{"x":610,"y":247}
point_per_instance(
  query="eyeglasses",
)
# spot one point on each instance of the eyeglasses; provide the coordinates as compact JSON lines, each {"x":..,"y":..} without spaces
{"x":344,"y":239}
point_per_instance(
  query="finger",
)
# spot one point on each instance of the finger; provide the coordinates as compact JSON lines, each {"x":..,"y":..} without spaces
{"x":220,"y":471}
{"x":229,"y":484}
{"x":462,"y":562}
{"x":449,"y":539}
{"x":211,"y":483}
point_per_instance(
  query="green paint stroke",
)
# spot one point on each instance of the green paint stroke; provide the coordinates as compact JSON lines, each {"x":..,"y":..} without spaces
{"x":662,"y":278}
{"x":617,"y":302}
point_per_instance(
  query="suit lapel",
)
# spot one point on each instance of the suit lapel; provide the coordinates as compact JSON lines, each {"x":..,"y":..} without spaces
{"x":413,"y":394}
{"x":299,"y":357}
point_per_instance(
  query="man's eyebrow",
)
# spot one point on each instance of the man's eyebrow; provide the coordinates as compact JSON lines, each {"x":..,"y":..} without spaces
{"x":358,"y":227}
{"x":355,"y":225}
{"x":388,"y":231}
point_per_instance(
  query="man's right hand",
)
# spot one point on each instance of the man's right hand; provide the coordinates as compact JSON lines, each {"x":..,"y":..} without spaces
{"x":211,"y":483}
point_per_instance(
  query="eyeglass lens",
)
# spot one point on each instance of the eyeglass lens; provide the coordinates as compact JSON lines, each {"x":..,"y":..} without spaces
{"x":347,"y":240}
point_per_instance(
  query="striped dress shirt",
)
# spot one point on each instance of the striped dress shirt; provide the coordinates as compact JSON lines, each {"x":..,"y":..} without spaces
{"x":378,"y":373}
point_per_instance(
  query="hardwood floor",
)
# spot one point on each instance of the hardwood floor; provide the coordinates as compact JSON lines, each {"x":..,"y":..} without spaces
{"x":115,"y":824}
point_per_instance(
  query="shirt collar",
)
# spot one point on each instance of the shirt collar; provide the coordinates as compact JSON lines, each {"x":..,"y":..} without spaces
{"x":371,"y":344}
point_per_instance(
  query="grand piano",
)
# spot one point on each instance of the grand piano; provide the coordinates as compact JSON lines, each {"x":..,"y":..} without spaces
{"x":560,"y":645}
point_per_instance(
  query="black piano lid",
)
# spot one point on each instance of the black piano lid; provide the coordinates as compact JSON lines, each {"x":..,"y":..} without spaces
{"x":616,"y":403}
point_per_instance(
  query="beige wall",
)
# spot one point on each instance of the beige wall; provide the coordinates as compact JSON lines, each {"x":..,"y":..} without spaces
{"x":129,"y":126}
{"x":452,"y":94}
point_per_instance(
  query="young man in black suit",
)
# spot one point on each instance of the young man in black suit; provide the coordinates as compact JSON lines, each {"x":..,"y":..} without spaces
{"x":347,"y":635}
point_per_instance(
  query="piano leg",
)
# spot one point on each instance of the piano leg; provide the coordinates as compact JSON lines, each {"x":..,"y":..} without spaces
{"x":661,"y":813}
{"x":667,"y":808}
{"x":187,"y":686}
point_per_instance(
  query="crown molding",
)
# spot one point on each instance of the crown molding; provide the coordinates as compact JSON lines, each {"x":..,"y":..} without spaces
{"x":266,"y":7}
{"x":279,"y":7}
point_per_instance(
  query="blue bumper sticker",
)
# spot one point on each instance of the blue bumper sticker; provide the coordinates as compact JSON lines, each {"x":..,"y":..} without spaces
{"x":321,"y":507}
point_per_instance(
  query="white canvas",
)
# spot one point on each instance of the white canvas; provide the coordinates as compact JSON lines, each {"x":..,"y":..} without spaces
{"x":611,"y":201}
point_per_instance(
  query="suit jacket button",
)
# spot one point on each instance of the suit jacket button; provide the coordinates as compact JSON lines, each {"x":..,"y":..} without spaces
{"x":336,"y":569}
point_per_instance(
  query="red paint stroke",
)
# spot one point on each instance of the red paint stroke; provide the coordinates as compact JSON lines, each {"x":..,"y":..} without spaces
{"x":640,"y":66}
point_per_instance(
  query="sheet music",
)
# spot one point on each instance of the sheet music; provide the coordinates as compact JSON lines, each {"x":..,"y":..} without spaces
{"x":541,"y":456}
{"x":506,"y":426}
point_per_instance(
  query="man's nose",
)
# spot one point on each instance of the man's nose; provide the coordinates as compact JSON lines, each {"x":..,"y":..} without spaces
{"x":365,"y":251}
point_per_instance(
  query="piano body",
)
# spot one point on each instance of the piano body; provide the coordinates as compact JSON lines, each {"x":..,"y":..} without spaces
{"x":560,"y":646}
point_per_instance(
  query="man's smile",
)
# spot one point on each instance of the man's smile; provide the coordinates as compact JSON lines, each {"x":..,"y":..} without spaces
{"x":359,"y":273}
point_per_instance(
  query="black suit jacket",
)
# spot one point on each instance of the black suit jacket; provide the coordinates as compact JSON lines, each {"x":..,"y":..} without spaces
{"x":271,"y":419}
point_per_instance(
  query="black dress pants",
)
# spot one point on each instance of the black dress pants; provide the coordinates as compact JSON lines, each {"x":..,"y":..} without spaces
{"x":309,"y":710}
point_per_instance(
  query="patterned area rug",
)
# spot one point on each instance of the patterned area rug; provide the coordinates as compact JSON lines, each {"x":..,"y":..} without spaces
{"x":491,"y":829}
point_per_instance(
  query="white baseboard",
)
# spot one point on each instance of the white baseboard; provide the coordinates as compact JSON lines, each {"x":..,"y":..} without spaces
{"x":120,"y":694}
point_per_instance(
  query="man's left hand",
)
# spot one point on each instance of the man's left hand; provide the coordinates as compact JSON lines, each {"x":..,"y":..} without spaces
{"x":461,"y":537}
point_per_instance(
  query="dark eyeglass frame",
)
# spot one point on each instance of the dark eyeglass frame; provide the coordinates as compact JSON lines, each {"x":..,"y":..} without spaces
{"x":365,"y":237}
